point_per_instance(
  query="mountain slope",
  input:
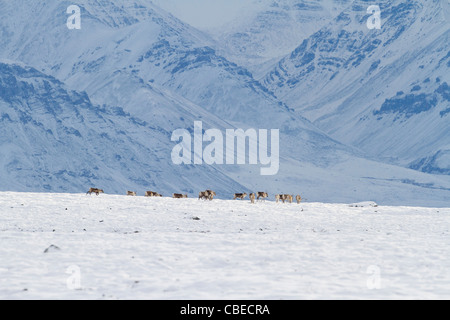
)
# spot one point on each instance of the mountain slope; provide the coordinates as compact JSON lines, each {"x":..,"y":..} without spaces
{"x":383,"y":91}
{"x":55,"y":139}
{"x":145,"y":67}
{"x":272,"y":28}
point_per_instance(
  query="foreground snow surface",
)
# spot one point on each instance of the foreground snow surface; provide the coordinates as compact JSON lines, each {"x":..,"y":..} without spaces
{"x":62,"y":246}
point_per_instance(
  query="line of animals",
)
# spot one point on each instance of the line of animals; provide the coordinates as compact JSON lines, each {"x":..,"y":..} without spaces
{"x":209,"y":195}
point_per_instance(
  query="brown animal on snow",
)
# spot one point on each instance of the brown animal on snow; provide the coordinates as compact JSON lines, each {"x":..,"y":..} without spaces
{"x":202,"y":195}
{"x":211,"y":194}
{"x":289,"y":198}
{"x":95,"y":190}
{"x":284,"y":198}
{"x":252,"y":197}
{"x":299,"y":199}
{"x":152,"y":194}
{"x":206,"y":195}
{"x":179,"y":196}
{"x":240,"y":196}
{"x":149,"y":193}
{"x":131,"y":193}
{"x":263,"y":195}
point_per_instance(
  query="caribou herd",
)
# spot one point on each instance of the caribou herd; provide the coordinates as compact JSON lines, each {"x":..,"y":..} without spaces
{"x":208,"y":195}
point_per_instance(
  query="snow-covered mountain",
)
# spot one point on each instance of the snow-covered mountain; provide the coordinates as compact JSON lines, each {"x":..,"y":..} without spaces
{"x":270,"y":29}
{"x":274,"y":29}
{"x":152,"y":74}
{"x":55,"y":139}
{"x":157,"y":66}
{"x":383,"y":91}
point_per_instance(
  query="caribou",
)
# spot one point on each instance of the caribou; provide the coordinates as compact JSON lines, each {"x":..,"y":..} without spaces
{"x":152,"y":194}
{"x":262,"y":195}
{"x":240,"y":196}
{"x":206,"y":195}
{"x":179,"y":196}
{"x":95,"y":190}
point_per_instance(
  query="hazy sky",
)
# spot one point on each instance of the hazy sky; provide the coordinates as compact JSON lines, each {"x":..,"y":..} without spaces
{"x":204,"y":13}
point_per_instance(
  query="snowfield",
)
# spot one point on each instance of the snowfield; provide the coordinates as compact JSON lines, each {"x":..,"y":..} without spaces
{"x":73,"y":246}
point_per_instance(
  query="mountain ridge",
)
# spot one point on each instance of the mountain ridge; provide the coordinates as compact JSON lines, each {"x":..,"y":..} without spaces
{"x":150,"y":78}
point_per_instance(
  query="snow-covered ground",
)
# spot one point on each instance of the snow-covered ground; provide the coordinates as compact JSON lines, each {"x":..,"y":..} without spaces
{"x":117,"y":247}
